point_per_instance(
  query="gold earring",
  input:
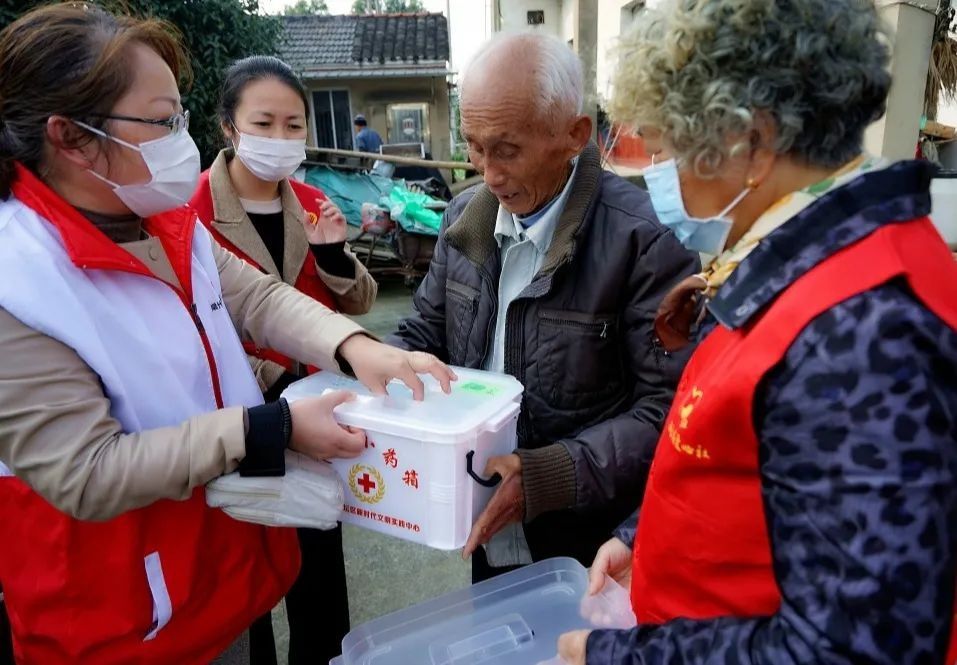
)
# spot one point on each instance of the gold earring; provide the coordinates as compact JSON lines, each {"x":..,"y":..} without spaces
{"x":751,"y":183}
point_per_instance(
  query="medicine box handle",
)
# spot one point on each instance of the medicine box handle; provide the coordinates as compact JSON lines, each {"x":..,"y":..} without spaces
{"x":490,"y":482}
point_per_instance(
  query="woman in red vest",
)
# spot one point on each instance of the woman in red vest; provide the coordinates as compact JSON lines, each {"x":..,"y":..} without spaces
{"x":124,"y":385}
{"x":802,"y":502}
{"x":281,"y":226}
{"x":292,"y":231}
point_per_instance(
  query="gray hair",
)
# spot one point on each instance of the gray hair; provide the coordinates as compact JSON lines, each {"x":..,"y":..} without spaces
{"x":700,"y":71}
{"x":556,"y":69}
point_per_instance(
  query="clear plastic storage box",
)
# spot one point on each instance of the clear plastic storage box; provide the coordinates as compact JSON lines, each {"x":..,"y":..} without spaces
{"x":514,"y":619}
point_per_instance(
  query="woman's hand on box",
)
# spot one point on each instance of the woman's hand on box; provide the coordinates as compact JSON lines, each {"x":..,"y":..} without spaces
{"x":316,"y":433}
{"x":506,"y":506}
{"x":375,"y":364}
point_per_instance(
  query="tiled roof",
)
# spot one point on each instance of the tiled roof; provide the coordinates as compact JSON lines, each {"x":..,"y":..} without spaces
{"x":406,"y":37}
{"x":323,"y":42}
{"x":312,"y":41}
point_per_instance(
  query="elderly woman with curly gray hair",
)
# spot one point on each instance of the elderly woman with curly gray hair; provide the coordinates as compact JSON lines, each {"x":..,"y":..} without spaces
{"x":802,"y":503}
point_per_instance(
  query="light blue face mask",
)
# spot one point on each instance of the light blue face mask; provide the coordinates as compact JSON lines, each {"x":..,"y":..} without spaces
{"x":699,"y":235}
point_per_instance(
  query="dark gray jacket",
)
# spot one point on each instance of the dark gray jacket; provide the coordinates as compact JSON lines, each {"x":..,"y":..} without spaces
{"x":579,"y":338}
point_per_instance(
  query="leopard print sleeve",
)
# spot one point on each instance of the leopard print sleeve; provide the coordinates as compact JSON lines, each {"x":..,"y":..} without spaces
{"x":858,"y":459}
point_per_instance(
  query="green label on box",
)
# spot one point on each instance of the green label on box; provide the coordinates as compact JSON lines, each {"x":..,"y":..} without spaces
{"x":477,"y":388}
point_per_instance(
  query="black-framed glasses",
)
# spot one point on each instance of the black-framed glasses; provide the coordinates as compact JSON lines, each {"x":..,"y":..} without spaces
{"x":175,"y":123}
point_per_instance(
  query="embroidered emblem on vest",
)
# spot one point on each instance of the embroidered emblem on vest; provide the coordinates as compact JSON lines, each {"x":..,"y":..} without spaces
{"x":684,"y":417}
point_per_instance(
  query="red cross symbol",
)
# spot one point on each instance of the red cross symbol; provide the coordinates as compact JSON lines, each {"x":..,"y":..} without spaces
{"x":366,"y":483}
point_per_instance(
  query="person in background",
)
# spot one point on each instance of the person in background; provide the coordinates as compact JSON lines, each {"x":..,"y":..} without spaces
{"x":551,"y":272}
{"x":124,"y":386}
{"x":802,"y":506}
{"x":279,"y":225}
{"x":367,"y":139}
{"x":292,"y":231}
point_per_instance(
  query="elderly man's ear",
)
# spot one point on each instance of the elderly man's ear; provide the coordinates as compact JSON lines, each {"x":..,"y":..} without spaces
{"x":580,"y":133}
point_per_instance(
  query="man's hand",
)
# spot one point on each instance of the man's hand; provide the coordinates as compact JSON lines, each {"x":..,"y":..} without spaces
{"x":328,"y":227}
{"x":507,"y":504}
{"x":571,"y":647}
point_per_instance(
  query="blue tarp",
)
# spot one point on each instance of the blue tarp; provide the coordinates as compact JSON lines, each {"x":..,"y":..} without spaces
{"x":350,"y":189}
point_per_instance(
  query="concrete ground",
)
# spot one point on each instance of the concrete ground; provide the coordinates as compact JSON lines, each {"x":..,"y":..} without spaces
{"x":387,"y":574}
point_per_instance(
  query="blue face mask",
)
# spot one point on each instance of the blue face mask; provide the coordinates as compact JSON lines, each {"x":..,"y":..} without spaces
{"x":699,"y":235}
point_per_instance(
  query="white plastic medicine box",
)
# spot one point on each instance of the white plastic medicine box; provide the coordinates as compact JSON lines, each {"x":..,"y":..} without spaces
{"x":420,"y":476}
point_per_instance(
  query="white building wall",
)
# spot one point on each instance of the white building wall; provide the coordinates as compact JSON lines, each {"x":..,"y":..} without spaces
{"x":561,"y":20}
{"x":609,"y":28}
{"x":514,"y":15}
{"x":614,"y":18}
{"x":569,"y":20}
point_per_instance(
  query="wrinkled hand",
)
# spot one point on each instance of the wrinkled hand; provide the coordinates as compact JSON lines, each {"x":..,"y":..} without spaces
{"x":614,"y":559}
{"x":316,"y":433}
{"x":506,"y":506}
{"x":375,"y":364}
{"x":571,"y":647}
{"x":328,"y":227}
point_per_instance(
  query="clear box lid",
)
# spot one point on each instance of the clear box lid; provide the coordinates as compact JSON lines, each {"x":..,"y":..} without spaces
{"x":478,"y":399}
{"x":514,"y":619}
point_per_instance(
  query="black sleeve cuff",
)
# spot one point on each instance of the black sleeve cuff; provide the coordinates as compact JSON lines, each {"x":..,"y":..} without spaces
{"x":284,"y":381}
{"x":270,"y":427}
{"x":332,"y":258}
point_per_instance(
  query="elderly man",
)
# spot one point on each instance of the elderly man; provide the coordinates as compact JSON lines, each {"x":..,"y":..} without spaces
{"x":552,"y":272}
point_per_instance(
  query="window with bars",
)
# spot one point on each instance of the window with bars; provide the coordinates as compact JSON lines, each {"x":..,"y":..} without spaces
{"x":333,"y":115}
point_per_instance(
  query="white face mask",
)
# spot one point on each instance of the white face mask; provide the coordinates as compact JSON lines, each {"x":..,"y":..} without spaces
{"x":173,"y":163}
{"x":269,"y":159}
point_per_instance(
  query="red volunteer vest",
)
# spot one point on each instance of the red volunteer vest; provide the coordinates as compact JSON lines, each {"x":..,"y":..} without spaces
{"x":308,"y":280}
{"x":702,"y":549}
{"x":78,"y":592}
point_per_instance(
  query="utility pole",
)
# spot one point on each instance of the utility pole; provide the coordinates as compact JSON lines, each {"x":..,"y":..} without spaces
{"x":587,"y":42}
{"x":912,"y":22}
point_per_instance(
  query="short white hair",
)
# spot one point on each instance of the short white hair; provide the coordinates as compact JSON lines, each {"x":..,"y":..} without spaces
{"x":555,"y":67}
